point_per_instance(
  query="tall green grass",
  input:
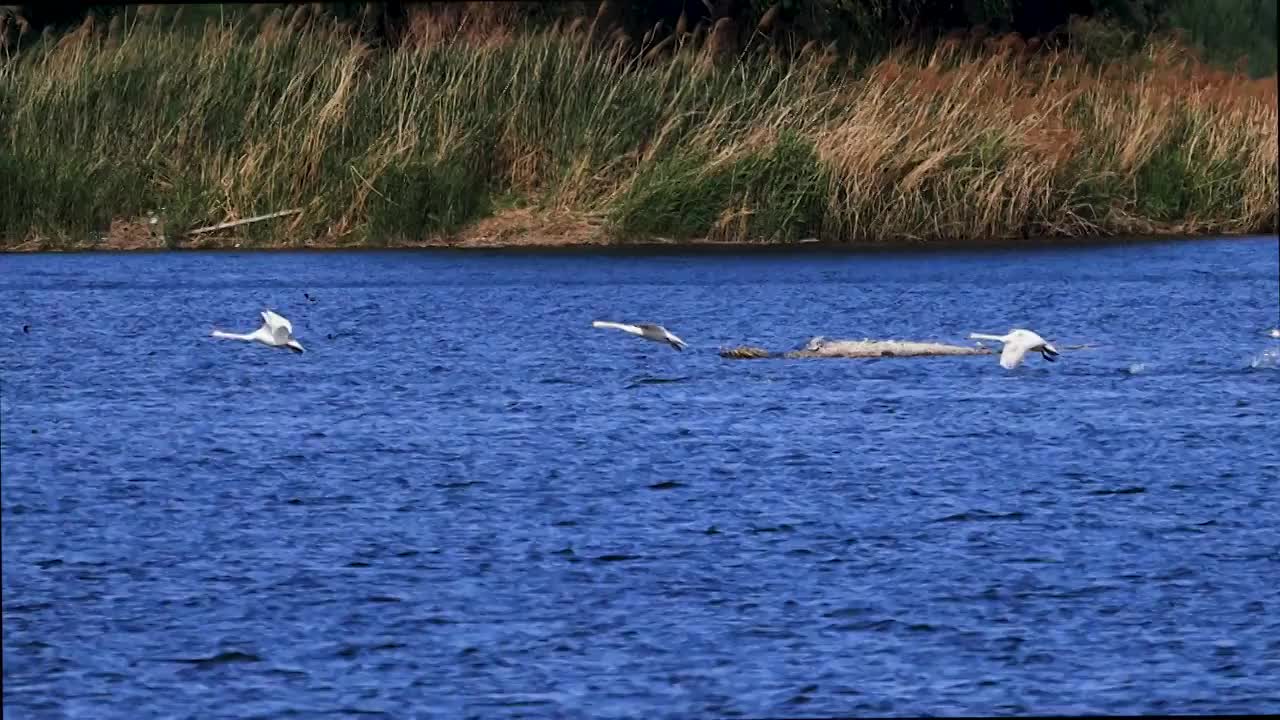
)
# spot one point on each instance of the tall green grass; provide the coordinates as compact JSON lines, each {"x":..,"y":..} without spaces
{"x":1229,"y":31}
{"x":384,"y":148}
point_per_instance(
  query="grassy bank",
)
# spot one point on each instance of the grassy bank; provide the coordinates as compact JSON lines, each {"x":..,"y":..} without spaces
{"x":534,"y":137}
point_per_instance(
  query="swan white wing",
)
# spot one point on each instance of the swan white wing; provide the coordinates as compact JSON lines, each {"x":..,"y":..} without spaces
{"x":277,"y":326}
{"x":617,"y":326}
{"x":1033,"y":340}
{"x":273,"y":321}
{"x":1012,"y":355}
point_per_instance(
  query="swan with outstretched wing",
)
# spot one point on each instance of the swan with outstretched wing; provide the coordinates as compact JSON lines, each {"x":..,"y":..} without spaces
{"x":648,"y":331}
{"x":276,"y":331}
{"x":1017,"y":343}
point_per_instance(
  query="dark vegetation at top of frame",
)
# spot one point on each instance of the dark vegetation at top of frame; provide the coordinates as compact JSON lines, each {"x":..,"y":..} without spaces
{"x":1238,"y":33}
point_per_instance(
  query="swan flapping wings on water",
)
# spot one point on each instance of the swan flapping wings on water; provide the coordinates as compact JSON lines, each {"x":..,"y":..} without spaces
{"x":648,"y":331}
{"x":275,"y":332}
{"x":1017,"y":344}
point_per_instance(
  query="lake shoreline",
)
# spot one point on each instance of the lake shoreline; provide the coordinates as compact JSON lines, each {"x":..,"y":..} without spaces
{"x":665,"y":247}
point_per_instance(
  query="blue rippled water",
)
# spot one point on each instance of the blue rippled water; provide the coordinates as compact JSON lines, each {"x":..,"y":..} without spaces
{"x":463,"y":501}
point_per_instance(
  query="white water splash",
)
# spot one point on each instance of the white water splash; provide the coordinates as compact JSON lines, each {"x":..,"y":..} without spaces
{"x":1137,"y":368}
{"x":1269,"y":358}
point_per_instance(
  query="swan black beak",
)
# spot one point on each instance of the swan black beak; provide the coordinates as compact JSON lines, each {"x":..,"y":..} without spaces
{"x":1049,"y":354}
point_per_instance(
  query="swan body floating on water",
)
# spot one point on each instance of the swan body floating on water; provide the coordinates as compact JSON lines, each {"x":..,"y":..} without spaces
{"x":1017,"y":344}
{"x":275,"y":332}
{"x":648,"y":331}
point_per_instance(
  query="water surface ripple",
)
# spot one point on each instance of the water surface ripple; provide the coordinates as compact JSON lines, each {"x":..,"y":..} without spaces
{"x":465,"y":501}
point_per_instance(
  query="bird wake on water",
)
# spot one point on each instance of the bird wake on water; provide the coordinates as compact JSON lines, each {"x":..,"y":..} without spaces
{"x":275,"y":332}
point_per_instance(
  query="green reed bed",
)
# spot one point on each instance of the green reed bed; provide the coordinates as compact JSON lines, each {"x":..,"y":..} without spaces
{"x":381,"y":147}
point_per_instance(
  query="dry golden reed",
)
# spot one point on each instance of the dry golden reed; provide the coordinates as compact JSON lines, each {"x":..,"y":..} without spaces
{"x":468,"y":117}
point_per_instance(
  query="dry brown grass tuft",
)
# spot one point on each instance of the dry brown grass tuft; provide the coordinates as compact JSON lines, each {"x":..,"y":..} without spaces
{"x":996,"y":146}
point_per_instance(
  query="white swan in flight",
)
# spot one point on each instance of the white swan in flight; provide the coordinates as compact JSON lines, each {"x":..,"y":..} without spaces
{"x":648,"y":331}
{"x":1016,"y":344}
{"x":275,"y":332}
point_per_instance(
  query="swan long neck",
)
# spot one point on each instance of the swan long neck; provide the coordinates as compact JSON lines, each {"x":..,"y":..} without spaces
{"x":983,"y":336}
{"x":233,"y":336}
